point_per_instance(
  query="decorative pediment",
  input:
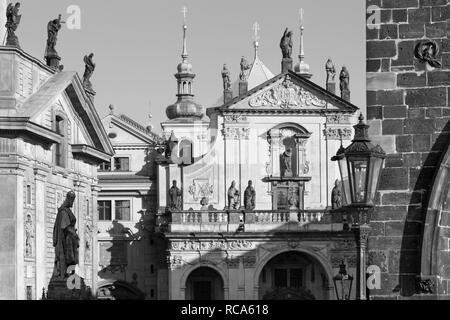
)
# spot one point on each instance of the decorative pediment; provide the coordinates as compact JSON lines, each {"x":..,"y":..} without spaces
{"x":287,"y":95}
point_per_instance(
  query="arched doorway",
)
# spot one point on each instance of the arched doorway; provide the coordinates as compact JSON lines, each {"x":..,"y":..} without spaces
{"x":293,"y":276}
{"x":204,"y":283}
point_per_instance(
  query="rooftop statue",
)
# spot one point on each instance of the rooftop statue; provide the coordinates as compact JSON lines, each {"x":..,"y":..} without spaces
{"x":226,"y":78}
{"x":12,"y":22}
{"x":245,"y":66}
{"x":88,"y":71}
{"x":286,"y":44}
{"x":53,"y":27}
{"x":344,"y":77}
{"x":331,"y":71}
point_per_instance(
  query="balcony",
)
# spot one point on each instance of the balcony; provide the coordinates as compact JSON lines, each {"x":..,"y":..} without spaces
{"x":253,"y":221}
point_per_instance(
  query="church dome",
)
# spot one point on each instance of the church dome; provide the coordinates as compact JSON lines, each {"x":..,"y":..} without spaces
{"x":185,"y":107}
{"x":184,"y":67}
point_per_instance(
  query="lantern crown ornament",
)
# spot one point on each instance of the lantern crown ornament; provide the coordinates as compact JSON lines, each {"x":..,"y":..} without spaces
{"x":360,"y":166}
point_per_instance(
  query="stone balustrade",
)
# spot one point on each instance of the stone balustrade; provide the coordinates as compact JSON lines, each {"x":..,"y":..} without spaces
{"x":252,"y":221}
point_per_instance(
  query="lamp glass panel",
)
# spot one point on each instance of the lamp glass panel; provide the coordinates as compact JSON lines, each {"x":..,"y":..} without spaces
{"x":359,"y":169}
{"x":374,"y":174}
{"x":345,"y":180}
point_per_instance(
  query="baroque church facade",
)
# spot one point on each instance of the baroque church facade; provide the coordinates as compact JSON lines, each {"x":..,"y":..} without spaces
{"x":233,"y":201}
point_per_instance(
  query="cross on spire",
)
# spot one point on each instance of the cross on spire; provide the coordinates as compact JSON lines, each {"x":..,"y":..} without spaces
{"x":184,"y":12}
{"x":256,"y":31}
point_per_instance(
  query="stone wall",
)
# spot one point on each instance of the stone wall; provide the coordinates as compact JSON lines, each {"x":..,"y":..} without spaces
{"x":407,"y":109}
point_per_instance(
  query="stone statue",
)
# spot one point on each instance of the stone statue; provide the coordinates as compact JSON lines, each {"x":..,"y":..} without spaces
{"x":286,"y":44}
{"x":53,"y":27}
{"x":175,"y":196}
{"x":287,"y":163}
{"x":245,"y":66}
{"x":331,"y":71}
{"x":29,"y":235}
{"x":249,"y":197}
{"x":65,"y":238}
{"x":88,"y":71}
{"x":12,"y":22}
{"x":233,"y":196}
{"x":226,"y":78}
{"x":336,"y":196}
{"x":344,"y":77}
{"x":204,"y":203}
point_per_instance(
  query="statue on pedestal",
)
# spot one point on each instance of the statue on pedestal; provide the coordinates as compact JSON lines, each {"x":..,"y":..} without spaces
{"x":51,"y":55}
{"x":233,"y":197}
{"x":65,"y":238}
{"x":287,"y":163}
{"x":88,"y":71}
{"x":336,"y":196}
{"x":344,"y":77}
{"x":249,"y":197}
{"x":245,"y":66}
{"x":226,"y":78}
{"x":331,"y":71}
{"x":286,"y":44}
{"x":12,"y":22}
{"x":175,"y":196}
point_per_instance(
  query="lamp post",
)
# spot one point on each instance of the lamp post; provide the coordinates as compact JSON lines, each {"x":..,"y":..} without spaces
{"x":343,"y":283}
{"x":360,"y":167}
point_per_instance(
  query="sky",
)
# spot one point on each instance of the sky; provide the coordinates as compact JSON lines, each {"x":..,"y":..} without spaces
{"x":137,"y":45}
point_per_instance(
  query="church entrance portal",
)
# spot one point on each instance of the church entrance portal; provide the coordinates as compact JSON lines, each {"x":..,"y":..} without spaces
{"x":204,"y":284}
{"x":293,"y":276}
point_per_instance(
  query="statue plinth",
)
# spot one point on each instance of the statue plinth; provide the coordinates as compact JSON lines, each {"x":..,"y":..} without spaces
{"x":53,"y":60}
{"x":331,"y":87}
{"x":227,"y":96}
{"x":345,"y":94}
{"x":70,"y":288}
{"x":12,"y":41}
{"x":286,"y":64}
{"x":243,"y":87}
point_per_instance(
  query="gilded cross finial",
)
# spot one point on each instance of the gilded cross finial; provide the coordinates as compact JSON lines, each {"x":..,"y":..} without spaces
{"x":256,"y":31}
{"x":184,"y":11}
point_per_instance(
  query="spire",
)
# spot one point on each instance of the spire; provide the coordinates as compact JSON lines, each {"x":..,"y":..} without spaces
{"x":185,"y":107}
{"x":184,"y":55}
{"x":302,"y":68}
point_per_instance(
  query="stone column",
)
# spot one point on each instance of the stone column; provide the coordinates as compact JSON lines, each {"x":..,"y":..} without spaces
{"x":40,"y":177}
{"x":275,"y":151}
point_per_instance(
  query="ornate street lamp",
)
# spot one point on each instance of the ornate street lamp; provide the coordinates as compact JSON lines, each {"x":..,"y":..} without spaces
{"x":343,"y":283}
{"x":360,"y":167}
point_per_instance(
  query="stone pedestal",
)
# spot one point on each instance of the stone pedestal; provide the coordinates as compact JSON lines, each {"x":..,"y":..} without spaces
{"x":71,"y":288}
{"x":227,"y":96}
{"x":286,"y":64}
{"x":331,"y":87}
{"x":345,"y":94}
{"x":53,"y":60}
{"x":243,"y":87}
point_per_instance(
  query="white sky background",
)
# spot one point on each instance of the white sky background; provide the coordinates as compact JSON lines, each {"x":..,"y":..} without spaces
{"x":137,"y":45}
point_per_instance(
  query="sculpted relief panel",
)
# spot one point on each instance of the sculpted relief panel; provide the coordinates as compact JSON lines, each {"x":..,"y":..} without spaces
{"x":287,"y":95}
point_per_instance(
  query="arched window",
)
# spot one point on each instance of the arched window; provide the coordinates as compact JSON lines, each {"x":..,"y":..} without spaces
{"x":60,"y":148}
